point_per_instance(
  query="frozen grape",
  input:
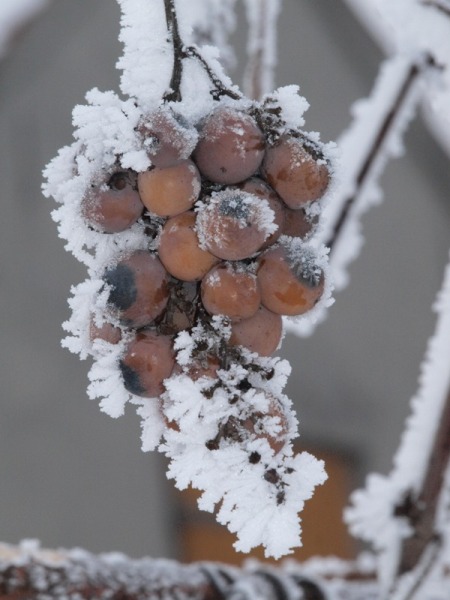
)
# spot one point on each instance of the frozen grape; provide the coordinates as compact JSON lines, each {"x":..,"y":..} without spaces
{"x":258,"y":187}
{"x":231,"y":146}
{"x":233,"y":224}
{"x":167,"y":139}
{"x":148,"y":360}
{"x":169,"y":191}
{"x":296,"y":170}
{"x":298,"y":224}
{"x":179,"y":249}
{"x":230,"y":292}
{"x":138,"y":289}
{"x":106,"y":331}
{"x":261,"y":333}
{"x":288,"y":286}
{"x":112,"y":207}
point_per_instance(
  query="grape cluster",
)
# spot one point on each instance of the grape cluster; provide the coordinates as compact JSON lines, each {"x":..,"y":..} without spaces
{"x":226,"y":221}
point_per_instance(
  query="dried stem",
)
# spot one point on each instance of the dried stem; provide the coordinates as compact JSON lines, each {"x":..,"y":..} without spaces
{"x":378,"y":144}
{"x":174,"y":94}
{"x":180,"y":52}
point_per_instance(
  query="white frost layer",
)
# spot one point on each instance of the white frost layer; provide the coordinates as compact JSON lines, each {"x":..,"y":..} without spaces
{"x":412,"y":25}
{"x":371,"y":516}
{"x":13,"y":15}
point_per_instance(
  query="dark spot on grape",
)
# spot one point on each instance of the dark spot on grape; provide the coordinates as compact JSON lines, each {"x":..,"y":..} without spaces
{"x":131,"y":380}
{"x":235,"y":207}
{"x":123,"y":292}
{"x":254,"y":458}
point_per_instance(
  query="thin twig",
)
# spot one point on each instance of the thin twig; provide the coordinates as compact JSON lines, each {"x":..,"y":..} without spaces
{"x":220,"y":89}
{"x":174,"y":94}
{"x":377,"y":146}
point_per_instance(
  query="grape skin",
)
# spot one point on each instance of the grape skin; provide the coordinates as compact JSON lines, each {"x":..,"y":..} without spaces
{"x":169,"y":191}
{"x":138,"y":289}
{"x":226,"y":291}
{"x":148,"y":360}
{"x":231,"y":146}
{"x":179,"y":249}
{"x":294,"y":173}
{"x":112,"y":208}
{"x":261,"y":333}
{"x":284,"y":291}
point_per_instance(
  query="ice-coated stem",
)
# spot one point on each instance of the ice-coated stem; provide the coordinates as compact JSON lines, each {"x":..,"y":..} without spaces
{"x":181,"y":52}
{"x":174,"y":94}
{"x":377,"y":146}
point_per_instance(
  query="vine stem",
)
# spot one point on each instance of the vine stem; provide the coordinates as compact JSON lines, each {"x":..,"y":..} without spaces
{"x":174,"y":94}
{"x":181,"y":52}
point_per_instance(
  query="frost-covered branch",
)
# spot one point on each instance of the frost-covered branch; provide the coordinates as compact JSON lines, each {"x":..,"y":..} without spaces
{"x":405,"y":516}
{"x":261,"y":47}
{"x":27,"y":571}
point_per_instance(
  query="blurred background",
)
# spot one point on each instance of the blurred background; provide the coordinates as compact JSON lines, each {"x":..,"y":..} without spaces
{"x":70,"y":475}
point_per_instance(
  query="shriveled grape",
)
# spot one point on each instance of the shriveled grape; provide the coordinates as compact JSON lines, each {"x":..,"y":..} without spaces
{"x":261,"y":333}
{"x":231,"y":146}
{"x":287,"y":286}
{"x":169,"y":191}
{"x":138,"y":289}
{"x":149,"y":359}
{"x":296,"y":170}
{"x":231,"y":292}
{"x":179,"y":249}
{"x":112,"y":207}
{"x":233,"y":224}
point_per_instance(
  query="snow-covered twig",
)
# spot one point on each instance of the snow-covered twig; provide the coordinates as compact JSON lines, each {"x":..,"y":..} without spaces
{"x":374,"y":138}
{"x":261,"y":47}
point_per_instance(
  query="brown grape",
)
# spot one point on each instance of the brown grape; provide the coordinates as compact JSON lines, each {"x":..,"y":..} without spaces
{"x":298,"y":224}
{"x":179,"y":249}
{"x":167,"y":140}
{"x":106,"y":331}
{"x":258,"y":187}
{"x":233,"y":225}
{"x":296,"y":171}
{"x":112,"y":207}
{"x":169,"y":191}
{"x":261,"y":333}
{"x":139,"y":289}
{"x":230,"y":292}
{"x":287,"y":286}
{"x":148,"y":360}
{"x":231,"y":146}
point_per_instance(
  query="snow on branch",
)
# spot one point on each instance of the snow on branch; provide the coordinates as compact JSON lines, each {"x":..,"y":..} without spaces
{"x":405,"y":515}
